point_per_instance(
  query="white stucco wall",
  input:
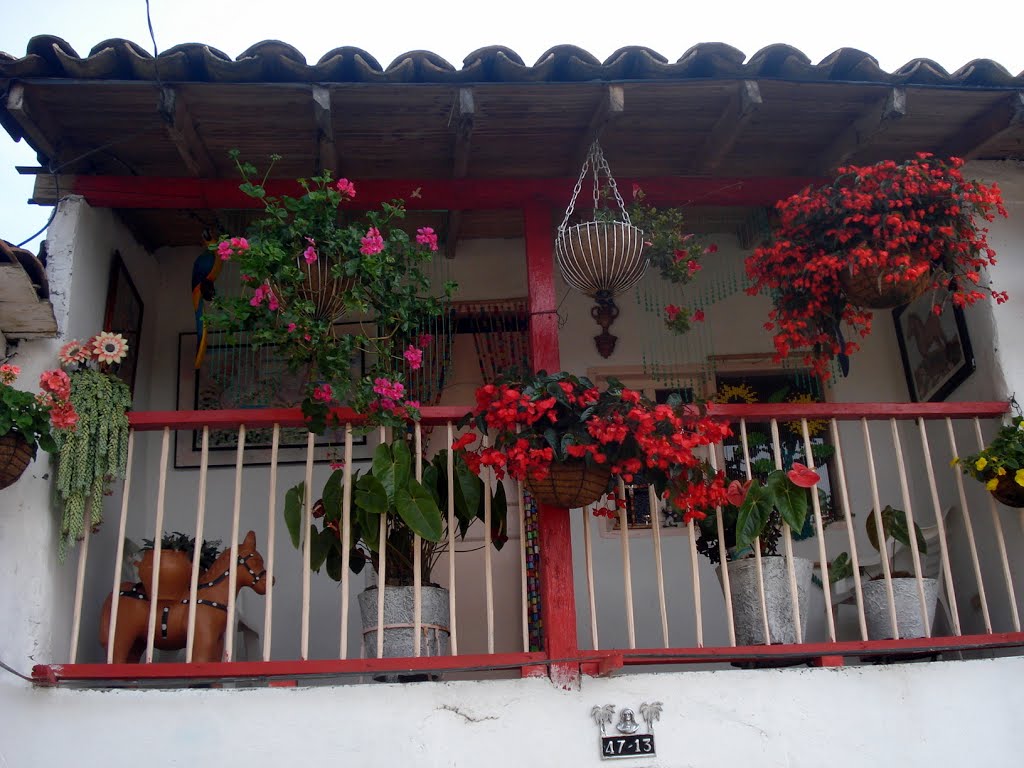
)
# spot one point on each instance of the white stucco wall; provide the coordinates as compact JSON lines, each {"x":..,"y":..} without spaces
{"x":921,"y":715}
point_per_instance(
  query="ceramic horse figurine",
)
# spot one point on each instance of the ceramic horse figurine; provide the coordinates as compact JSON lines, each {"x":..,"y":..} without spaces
{"x":170,"y":632}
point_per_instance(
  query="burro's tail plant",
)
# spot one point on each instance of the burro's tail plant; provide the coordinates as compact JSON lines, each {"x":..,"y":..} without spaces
{"x":410,"y":507}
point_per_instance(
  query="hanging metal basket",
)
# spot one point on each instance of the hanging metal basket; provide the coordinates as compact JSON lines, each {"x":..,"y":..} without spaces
{"x":601,"y":259}
{"x":323,"y":289}
{"x":869,"y":289}
{"x":15,"y":455}
{"x":604,"y":257}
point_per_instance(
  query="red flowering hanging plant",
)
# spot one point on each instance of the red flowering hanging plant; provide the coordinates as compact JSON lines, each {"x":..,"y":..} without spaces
{"x":544,"y":419}
{"x":896,"y":224}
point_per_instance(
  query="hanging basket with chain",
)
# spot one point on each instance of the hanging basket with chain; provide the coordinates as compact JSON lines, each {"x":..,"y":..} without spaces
{"x":603,"y":257}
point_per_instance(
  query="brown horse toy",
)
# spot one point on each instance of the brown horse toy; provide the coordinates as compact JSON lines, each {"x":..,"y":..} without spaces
{"x":171,"y":630}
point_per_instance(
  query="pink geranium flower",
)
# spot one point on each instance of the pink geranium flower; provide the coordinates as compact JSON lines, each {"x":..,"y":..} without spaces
{"x":346,"y":188}
{"x":426,"y":236}
{"x":414,"y":357}
{"x":372,"y":243}
{"x":323,"y":393}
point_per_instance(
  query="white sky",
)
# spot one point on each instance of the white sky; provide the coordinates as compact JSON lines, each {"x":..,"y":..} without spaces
{"x":893,"y":31}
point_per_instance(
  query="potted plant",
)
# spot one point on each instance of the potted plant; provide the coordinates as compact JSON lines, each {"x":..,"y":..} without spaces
{"x":904,"y":585}
{"x":757,"y":511}
{"x":27,"y":420}
{"x":94,"y":453}
{"x":302,"y":269}
{"x":569,"y":442}
{"x":410,"y":507}
{"x":876,"y":237}
{"x":1000,"y":465}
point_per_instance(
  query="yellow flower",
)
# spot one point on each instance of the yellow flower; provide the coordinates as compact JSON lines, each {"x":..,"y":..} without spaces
{"x":981,"y":463}
{"x":1019,"y":477}
{"x":954,"y":462}
{"x":1001,"y":471}
{"x":991,"y":484}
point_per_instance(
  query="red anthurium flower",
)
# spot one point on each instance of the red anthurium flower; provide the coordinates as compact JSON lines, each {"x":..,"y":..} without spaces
{"x":737,"y":492}
{"x":803,"y":476}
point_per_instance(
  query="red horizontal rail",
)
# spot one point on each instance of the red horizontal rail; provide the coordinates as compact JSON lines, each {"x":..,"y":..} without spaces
{"x":716,"y":654}
{"x":602,"y":661}
{"x":51,"y":674}
{"x":145,"y":421}
{"x":428,"y":194}
{"x":853,"y":411}
{"x":441,"y":415}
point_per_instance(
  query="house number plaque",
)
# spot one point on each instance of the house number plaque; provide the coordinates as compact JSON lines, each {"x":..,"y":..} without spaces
{"x":629,"y":739}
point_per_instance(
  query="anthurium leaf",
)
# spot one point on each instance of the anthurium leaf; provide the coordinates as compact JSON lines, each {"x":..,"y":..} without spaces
{"x":468,"y":491}
{"x":840,"y":568}
{"x":790,"y":500}
{"x":752,"y":515}
{"x":418,"y":510}
{"x":319,"y":544}
{"x":293,"y":512}
{"x":370,"y":496}
{"x":391,"y":466}
{"x":333,"y":495}
{"x":499,"y":517}
{"x":430,"y":482}
{"x":334,"y":563}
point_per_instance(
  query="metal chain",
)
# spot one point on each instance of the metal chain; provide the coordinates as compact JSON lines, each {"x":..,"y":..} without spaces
{"x":596,"y":163}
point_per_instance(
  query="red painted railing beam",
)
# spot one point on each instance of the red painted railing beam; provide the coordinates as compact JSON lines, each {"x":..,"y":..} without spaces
{"x":426,"y":194}
{"x":557,"y":594}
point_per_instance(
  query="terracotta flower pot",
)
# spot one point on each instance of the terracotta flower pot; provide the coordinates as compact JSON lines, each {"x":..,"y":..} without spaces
{"x":1008,"y":492}
{"x":571,"y":484}
{"x":869,"y":289}
{"x":15,"y":456}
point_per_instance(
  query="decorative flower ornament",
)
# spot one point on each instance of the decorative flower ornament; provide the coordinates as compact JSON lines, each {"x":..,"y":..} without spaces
{"x":109,"y":348}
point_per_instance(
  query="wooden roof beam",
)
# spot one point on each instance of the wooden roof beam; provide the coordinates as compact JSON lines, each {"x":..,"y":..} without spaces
{"x":33,"y":127}
{"x":181,"y":129}
{"x":326,"y":151}
{"x":1007,"y":115}
{"x":742,"y":106}
{"x":464,"y":116}
{"x":610,"y":107}
{"x":873,"y":122}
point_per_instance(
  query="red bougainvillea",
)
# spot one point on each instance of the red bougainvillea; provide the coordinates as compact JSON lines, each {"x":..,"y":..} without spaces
{"x":904,"y":219}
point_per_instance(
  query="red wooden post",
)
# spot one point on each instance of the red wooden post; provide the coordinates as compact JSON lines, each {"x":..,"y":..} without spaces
{"x":557,"y":595}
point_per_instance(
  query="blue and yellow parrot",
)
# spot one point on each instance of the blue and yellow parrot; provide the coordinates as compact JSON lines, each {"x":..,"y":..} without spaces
{"x":205,"y":270}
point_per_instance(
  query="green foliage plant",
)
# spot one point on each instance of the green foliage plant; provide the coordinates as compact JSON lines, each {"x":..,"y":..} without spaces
{"x":411,"y":507}
{"x":895,"y":529}
{"x":384,"y":269}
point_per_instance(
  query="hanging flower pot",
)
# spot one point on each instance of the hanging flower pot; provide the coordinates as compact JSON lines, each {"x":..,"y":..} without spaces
{"x":1008,"y":492}
{"x":323,"y":289}
{"x":15,"y":456}
{"x":869,"y":287}
{"x":602,"y":257}
{"x":571,"y":484}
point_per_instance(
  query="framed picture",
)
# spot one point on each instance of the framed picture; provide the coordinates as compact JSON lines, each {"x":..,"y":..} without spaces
{"x":123,"y":314}
{"x":936,"y":351}
{"x":237,"y":375}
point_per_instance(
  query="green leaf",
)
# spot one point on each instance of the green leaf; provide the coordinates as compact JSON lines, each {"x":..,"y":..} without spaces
{"x":753,"y":515}
{"x":840,"y":568}
{"x":333,"y":496}
{"x":430,"y":481}
{"x":499,"y":517}
{"x":789,"y":499}
{"x":334,"y":563}
{"x":371,"y":496}
{"x":391,"y":466}
{"x":293,"y":512}
{"x":418,"y":510}
{"x":319,"y":545}
{"x":894,"y":526}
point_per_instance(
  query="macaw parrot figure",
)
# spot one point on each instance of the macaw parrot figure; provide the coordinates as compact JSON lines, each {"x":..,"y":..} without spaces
{"x":205,"y":270}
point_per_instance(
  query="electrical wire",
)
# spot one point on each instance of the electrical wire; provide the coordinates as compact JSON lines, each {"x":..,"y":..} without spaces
{"x":15,"y":672}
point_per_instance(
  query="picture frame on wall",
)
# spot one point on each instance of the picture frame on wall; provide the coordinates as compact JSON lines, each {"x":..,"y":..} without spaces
{"x":123,"y":314}
{"x":237,"y":375}
{"x":935,"y":349}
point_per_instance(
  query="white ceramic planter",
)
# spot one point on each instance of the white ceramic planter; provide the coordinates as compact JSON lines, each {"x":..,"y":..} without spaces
{"x":908,"y":607}
{"x":399,"y":615}
{"x":746,"y":601}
